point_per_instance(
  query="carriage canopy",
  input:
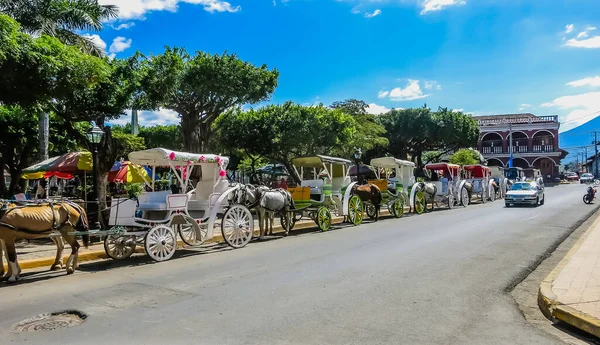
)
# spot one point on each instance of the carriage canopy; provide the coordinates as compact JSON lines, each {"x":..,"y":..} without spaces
{"x":165,"y":157}
{"x":478,"y":170}
{"x":390,"y":163}
{"x":446,"y":167}
{"x":336,"y":167}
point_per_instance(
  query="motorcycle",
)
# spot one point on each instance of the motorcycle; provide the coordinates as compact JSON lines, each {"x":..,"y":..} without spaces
{"x":590,"y":195}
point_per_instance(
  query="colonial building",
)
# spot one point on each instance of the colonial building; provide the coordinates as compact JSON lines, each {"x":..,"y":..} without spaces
{"x":534,"y":140}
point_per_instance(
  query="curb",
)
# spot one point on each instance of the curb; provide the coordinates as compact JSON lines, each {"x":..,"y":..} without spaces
{"x":553,"y":309}
{"x":92,"y":255}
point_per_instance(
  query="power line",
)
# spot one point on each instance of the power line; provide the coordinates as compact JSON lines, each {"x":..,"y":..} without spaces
{"x":580,"y":117}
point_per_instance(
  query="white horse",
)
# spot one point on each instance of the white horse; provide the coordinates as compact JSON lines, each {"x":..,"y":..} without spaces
{"x":266,"y":202}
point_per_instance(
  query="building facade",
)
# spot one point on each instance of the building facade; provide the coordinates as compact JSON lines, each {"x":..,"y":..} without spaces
{"x":534,"y":141}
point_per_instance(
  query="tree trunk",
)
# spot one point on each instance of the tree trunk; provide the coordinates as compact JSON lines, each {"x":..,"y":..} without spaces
{"x":3,"y":192}
{"x":102,"y":183}
{"x":43,"y":135}
{"x":190,"y":130}
{"x":291,"y":171}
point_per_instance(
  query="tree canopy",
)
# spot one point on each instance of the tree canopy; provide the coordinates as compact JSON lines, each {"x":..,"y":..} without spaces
{"x":202,"y":86}
{"x":464,"y":157}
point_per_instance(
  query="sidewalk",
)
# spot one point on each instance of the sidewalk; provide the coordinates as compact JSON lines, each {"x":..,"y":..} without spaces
{"x":571,"y":292}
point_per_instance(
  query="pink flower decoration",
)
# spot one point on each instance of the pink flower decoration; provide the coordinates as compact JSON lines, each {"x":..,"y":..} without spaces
{"x":202,"y":159}
{"x":178,"y":167}
{"x":190,"y":163}
{"x":172,"y":156}
{"x":222,"y":173}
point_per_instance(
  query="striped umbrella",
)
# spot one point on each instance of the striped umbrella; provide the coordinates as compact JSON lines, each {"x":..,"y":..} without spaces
{"x":127,"y":172}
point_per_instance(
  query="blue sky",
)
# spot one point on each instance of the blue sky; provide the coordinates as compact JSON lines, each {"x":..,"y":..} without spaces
{"x":481,"y":56}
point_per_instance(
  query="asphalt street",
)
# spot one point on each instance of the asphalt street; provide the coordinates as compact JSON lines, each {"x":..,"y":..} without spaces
{"x":437,"y":278}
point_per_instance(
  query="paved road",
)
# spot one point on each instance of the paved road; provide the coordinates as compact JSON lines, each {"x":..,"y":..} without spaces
{"x":438,"y":278}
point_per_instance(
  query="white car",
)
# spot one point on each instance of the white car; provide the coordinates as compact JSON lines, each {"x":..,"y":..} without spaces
{"x":525,"y":193}
{"x":586,"y":178}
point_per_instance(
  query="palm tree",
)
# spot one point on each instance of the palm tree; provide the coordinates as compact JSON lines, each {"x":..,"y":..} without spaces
{"x":62,"y":19}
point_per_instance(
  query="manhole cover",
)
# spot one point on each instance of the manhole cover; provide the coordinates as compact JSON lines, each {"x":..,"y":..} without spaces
{"x":51,"y":321}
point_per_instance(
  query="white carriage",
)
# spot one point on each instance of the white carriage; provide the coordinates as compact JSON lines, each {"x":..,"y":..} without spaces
{"x":497,"y":174}
{"x":325,"y":188}
{"x":395,"y":178}
{"x":445,"y":186}
{"x":480,"y":178}
{"x":156,"y":217}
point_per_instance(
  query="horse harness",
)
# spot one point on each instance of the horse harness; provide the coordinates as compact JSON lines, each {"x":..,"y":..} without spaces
{"x":55,"y":224}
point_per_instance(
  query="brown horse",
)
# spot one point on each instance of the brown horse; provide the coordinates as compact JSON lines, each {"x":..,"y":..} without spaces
{"x":39,"y":221}
{"x":369,"y":193}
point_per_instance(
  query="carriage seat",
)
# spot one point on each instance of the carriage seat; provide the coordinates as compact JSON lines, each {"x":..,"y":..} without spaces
{"x":316,"y":186}
{"x":337,"y":183}
{"x":153,"y":201}
{"x":205,"y":195}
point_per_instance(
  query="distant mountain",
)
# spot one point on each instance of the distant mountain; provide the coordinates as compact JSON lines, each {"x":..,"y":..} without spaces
{"x":574,"y":139}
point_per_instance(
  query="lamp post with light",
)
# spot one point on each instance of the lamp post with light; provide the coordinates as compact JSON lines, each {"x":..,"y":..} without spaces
{"x":94,"y":137}
{"x":357,"y":155}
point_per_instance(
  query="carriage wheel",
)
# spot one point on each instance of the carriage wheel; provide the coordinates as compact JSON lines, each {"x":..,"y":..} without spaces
{"x":371,"y":210}
{"x":492,"y":194}
{"x":237,"y":226}
{"x":398,"y":208}
{"x":484,"y":196}
{"x":356,"y":210}
{"x":189,"y":232}
{"x":285,"y":224}
{"x":420,"y":202}
{"x":160,"y":243}
{"x":450,"y":201}
{"x":464,"y":197}
{"x":324,"y":218}
{"x":119,"y":247}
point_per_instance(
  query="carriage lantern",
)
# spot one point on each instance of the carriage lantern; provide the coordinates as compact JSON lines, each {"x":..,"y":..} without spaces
{"x":357,"y":155}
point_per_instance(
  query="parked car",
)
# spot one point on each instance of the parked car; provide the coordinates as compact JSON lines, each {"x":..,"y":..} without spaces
{"x":571,"y":176}
{"x":586,"y":178}
{"x":525,"y":193}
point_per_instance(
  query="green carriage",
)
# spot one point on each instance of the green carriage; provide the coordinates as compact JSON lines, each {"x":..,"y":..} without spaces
{"x":324,"y":191}
{"x":395,"y":178}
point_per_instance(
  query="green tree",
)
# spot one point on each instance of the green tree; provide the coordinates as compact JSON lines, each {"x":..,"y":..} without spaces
{"x":465,"y":157}
{"x":351,"y":106}
{"x":62,"y":19}
{"x":282,"y":132}
{"x":203,"y":86}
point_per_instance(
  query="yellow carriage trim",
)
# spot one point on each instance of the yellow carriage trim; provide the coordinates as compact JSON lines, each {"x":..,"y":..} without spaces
{"x":382,"y":184}
{"x":300,"y":193}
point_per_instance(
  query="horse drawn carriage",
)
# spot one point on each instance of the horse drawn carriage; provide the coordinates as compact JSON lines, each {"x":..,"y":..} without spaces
{"x":498,"y":175}
{"x":156,"y":217}
{"x":480,"y":178}
{"x":514,"y":174}
{"x":325,"y":189}
{"x":446,"y":186}
{"x":395,"y":178}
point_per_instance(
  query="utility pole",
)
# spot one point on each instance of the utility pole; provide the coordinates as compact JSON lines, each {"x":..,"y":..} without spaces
{"x":595,"y":160}
{"x":585,"y":161}
{"x":510,"y":146}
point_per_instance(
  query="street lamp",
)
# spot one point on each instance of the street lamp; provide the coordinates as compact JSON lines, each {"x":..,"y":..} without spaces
{"x":94,"y":137}
{"x":357,"y":155}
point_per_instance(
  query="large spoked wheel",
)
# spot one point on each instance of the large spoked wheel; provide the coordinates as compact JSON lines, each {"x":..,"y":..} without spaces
{"x":398,"y":208}
{"x":323,"y":218}
{"x":464,"y":197}
{"x":420,"y":202}
{"x":237,"y":226}
{"x":160,"y":243}
{"x":484,"y":196}
{"x":355,"y":210}
{"x":492,"y":194}
{"x":119,"y":247}
{"x":450,"y":201}
{"x":288,"y":220}
{"x":190,"y":232}
{"x":371,"y":211}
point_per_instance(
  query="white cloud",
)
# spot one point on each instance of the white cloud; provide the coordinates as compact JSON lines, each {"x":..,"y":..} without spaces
{"x":129,"y":9}
{"x":590,"y":43}
{"x":461,"y":110}
{"x":525,"y":106}
{"x":438,"y":5}
{"x":120,"y":44}
{"x":97,"y":40}
{"x":430,"y":85}
{"x":150,"y":118}
{"x":590,"y":81}
{"x":377,"y":109}
{"x":582,"y":108}
{"x":411,"y":92}
{"x":582,"y":34}
{"x":124,"y":26}
{"x":373,"y":14}
{"x":569,"y":28}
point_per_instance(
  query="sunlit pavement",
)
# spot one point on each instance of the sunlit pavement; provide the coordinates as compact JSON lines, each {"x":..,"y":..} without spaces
{"x":437,"y":278}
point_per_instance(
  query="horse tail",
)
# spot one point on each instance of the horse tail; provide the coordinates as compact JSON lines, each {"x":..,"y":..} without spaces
{"x":82,"y":224}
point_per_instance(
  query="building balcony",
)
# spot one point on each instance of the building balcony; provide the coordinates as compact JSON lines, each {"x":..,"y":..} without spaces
{"x":543,"y":148}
